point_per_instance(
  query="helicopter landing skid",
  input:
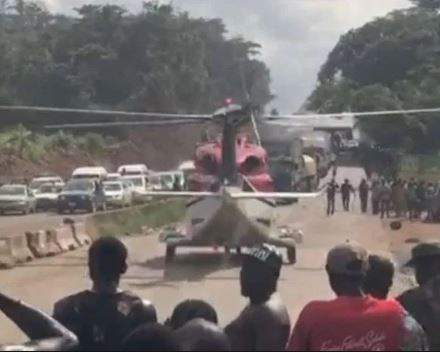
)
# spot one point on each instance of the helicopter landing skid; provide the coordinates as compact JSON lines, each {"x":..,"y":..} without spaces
{"x":174,"y":240}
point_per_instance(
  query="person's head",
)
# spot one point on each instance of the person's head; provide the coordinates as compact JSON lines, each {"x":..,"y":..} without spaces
{"x":380,"y":275}
{"x":426,"y":261}
{"x":260,"y":273}
{"x":347,"y":267}
{"x":107,"y":260}
{"x":347,"y":181}
{"x":190,"y":310}
{"x":151,"y":337}
{"x":201,"y":335}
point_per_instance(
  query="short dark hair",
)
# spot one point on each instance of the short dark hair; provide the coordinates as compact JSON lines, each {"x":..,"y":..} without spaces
{"x":340,"y":283}
{"x":379,"y":277}
{"x":200,"y":335}
{"x":151,"y":337}
{"x":192,"y":309}
{"x":108,"y":258}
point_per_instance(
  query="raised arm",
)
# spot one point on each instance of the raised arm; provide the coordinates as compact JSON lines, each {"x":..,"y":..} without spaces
{"x":43,"y":330}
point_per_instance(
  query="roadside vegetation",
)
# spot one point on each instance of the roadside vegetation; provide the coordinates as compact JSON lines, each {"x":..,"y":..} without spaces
{"x":20,"y":142}
{"x":133,"y":220}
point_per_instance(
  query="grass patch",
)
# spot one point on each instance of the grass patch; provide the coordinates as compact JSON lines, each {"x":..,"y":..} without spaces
{"x":131,"y":221}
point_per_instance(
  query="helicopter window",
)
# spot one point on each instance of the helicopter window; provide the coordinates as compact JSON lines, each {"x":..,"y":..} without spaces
{"x":251,"y":164}
{"x":209,"y":165}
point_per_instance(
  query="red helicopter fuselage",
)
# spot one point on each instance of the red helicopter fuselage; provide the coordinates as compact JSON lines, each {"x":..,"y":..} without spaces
{"x":252,"y":165}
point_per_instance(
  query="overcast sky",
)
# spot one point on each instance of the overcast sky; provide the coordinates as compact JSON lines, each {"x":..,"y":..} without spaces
{"x":296,"y":35}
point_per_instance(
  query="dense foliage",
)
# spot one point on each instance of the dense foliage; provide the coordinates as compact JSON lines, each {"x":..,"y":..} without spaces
{"x":390,"y":63}
{"x":157,"y":60}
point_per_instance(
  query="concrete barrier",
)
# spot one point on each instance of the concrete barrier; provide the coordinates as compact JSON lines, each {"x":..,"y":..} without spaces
{"x":64,"y":238}
{"x":80,"y":234}
{"x":52,"y":245}
{"x":6,"y":260}
{"x":14,"y":251}
{"x":37,"y":243}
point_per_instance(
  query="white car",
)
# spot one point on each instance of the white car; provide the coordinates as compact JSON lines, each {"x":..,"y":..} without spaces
{"x":134,"y":169}
{"x":37,"y":182}
{"x":113,"y":177}
{"x":17,"y":199}
{"x":94,"y":172}
{"x":118,"y":194}
{"x":140,"y":187}
{"x":47,"y":196}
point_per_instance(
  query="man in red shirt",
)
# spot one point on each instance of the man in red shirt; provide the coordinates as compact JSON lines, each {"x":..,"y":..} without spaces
{"x":354,"y":321}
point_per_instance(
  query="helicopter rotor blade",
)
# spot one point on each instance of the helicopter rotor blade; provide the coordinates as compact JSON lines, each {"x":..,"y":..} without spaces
{"x":84,"y":113}
{"x":351,"y":114}
{"x":123,"y":124}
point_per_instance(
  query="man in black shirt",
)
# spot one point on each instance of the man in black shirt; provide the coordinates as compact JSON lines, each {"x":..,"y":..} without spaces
{"x":102,"y":317}
{"x":332,"y":188}
{"x":346,"y":190}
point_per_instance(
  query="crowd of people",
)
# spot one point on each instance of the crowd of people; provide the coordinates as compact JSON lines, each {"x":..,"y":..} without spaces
{"x":360,"y":318}
{"x":415,"y":200}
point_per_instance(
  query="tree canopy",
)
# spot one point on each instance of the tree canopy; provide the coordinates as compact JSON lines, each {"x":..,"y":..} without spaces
{"x":105,"y":57}
{"x":390,"y":63}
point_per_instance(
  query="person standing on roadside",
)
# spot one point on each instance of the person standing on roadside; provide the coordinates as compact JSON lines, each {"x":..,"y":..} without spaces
{"x":385,"y":199}
{"x":332,"y":188}
{"x":423,"y":302}
{"x":375,"y":189}
{"x":364,"y":191}
{"x":103,"y":316}
{"x":264,"y":324}
{"x":354,"y":321}
{"x":346,"y":190}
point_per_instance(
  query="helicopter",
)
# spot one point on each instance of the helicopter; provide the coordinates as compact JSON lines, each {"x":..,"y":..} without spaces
{"x":231,"y":199}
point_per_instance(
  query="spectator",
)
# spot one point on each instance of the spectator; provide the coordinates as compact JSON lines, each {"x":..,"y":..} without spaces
{"x":412,"y":200}
{"x":190,"y":310}
{"x":264,"y":324}
{"x":399,"y":198}
{"x":380,"y":275}
{"x":375,"y":197}
{"x":44,"y":332}
{"x":103,"y":316}
{"x":364,"y":191}
{"x":201,"y":335}
{"x":423,"y":302}
{"x":421,"y":198}
{"x":354,"y":321}
{"x":151,"y":337}
{"x":431,"y":194}
{"x":346,"y":190}
{"x":384,"y":199}
{"x":332,"y":188}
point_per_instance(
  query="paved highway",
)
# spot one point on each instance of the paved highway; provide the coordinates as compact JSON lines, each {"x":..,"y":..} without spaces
{"x":205,"y":274}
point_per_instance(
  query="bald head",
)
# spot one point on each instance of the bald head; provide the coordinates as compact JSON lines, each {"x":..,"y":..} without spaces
{"x":201,"y":335}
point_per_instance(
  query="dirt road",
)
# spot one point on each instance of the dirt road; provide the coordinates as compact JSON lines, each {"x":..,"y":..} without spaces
{"x":205,"y":274}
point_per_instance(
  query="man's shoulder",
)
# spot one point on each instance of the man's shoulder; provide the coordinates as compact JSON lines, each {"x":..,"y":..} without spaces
{"x":411,"y":296}
{"x":69,"y":303}
{"x":68,"y":300}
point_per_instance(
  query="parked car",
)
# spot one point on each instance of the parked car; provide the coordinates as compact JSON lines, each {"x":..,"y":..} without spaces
{"x":168,"y":181}
{"x":139,"y":187}
{"x":37,"y":182}
{"x":47,"y":196}
{"x":90,"y":173}
{"x":118,"y":194}
{"x":135,"y":169}
{"x":113,"y":177}
{"x":16,"y":199}
{"x":82,"y":194}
